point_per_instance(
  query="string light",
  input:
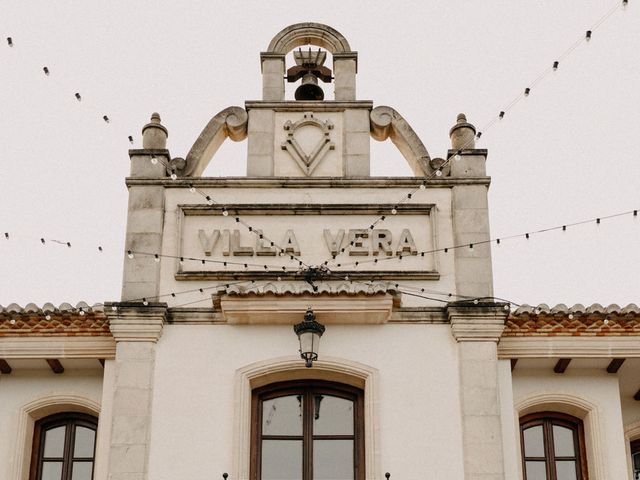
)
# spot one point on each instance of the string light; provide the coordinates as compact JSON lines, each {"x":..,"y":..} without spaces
{"x":10,"y":41}
{"x":457,"y":156}
{"x":154,"y":159}
{"x":525,"y":235}
{"x":45,"y":70}
{"x":78,"y":97}
{"x":555,"y":65}
{"x":130,"y":139}
{"x":588,"y":35}
{"x":422,"y":186}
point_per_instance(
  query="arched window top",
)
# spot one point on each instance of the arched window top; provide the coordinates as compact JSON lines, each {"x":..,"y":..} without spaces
{"x":64,"y":447}
{"x":307,"y":429}
{"x":552,"y":446}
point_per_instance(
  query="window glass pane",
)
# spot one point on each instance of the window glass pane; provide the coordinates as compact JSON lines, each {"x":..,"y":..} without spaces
{"x":282,"y":416}
{"x":281,"y":459}
{"x":54,"y":442}
{"x":536,"y":471}
{"x":563,"y":441}
{"x":51,"y":470}
{"x":333,"y":460}
{"x":566,"y":470}
{"x":82,"y":471}
{"x":83,"y":447}
{"x":636,"y":461}
{"x":332,"y":415}
{"x":533,"y":444}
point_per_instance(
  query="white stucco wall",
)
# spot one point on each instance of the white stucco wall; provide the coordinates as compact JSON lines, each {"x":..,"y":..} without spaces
{"x":24,"y":390}
{"x":418,"y":409}
{"x":590,"y":394}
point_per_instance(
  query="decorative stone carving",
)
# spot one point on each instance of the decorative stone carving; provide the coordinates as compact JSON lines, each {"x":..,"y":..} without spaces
{"x":308,"y":161}
{"x":230,"y":122}
{"x":388,"y":123}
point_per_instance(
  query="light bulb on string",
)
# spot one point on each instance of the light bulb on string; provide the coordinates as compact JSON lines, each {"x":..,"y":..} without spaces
{"x":156,"y":257}
{"x":624,"y":6}
{"x":174,"y":176}
{"x":588,"y":35}
{"x":394,"y":210}
{"x":422,"y":186}
{"x":438,"y":173}
{"x":555,"y":65}
{"x":129,"y":254}
{"x":457,"y":156}
{"x":225,"y":213}
{"x":192,"y":189}
{"x":209,"y":200}
{"x":154,"y":160}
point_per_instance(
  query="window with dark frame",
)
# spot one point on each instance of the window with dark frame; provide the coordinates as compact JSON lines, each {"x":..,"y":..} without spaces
{"x":552,"y":447}
{"x":635,"y":458}
{"x":64,"y":447}
{"x":307,"y":430}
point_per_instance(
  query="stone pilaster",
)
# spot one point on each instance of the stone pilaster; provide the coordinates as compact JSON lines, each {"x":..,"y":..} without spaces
{"x":272,"y":76}
{"x":145,"y":215}
{"x":470,"y":214}
{"x":477,"y":329}
{"x":136,"y":330}
{"x":345,"y":67}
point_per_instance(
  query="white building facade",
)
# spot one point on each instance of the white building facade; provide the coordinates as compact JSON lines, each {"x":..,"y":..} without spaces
{"x":421,"y":372}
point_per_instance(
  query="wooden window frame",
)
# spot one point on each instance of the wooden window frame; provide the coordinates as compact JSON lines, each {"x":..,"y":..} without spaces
{"x":68,"y":419}
{"x":547,"y":420}
{"x":308,"y":388}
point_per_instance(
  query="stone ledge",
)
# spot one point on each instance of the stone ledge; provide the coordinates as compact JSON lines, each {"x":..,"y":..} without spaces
{"x":307,"y":182}
{"x":358,"y":309}
{"x":569,"y":347}
{"x":482,"y":322}
{"x":57,"y":347}
{"x":134,"y":322}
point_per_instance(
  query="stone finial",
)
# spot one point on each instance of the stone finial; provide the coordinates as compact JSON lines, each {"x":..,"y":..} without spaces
{"x":154,"y":134}
{"x":462,"y":134}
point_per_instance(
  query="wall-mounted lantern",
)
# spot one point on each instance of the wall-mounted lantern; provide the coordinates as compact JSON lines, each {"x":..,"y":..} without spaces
{"x":309,"y":332}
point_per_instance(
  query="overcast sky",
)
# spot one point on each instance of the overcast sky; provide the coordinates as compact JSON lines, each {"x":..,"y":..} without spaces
{"x":566,"y":153}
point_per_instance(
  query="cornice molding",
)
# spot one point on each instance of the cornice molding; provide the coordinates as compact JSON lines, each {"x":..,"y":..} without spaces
{"x":481,"y":322}
{"x":57,"y":347}
{"x":569,"y":347}
{"x":132,"y":322}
